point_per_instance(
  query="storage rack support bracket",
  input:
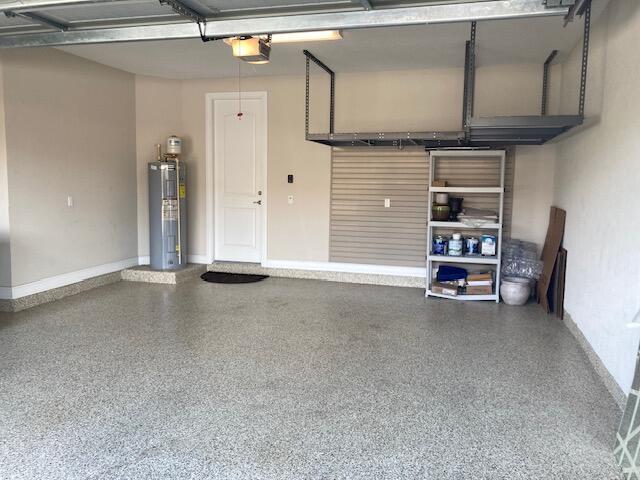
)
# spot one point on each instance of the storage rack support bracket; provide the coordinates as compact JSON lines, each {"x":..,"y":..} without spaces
{"x":545,"y":81}
{"x":332,"y":92}
{"x":469,"y":79}
{"x":585,"y":56}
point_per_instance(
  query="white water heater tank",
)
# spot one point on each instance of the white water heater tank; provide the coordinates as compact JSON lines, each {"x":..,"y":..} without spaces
{"x":174,"y":145}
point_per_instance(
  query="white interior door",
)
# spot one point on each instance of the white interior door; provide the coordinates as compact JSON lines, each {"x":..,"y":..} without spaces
{"x":240,"y":153}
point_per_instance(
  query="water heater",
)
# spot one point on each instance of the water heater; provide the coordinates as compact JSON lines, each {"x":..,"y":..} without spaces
{"x":167,"y":213}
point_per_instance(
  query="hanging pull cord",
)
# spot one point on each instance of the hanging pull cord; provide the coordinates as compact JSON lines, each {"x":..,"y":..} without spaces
{"x":239,"y":93}
{"x":240,"y":114}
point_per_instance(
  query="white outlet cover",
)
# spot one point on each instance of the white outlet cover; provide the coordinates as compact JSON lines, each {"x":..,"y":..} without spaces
{"x":290,"y":199}
{"x":387,"y":202}
{"x":69,"y":201}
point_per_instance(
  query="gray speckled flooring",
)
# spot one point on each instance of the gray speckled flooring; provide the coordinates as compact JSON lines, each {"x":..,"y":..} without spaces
{"x":295,"y":379}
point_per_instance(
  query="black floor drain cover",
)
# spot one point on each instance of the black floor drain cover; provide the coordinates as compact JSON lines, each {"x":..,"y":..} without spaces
{"x":223,"y":277}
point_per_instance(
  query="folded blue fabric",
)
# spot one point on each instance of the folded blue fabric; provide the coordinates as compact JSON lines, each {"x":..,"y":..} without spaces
{"x":447,"y":273}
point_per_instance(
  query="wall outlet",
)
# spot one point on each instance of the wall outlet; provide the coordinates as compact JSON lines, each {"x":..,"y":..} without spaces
{"x":290,"y":199}
{"x":69,"y":201}
{"x":387,"y":202}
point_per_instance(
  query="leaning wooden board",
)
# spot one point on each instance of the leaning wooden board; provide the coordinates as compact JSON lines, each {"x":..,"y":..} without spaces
{"x":552,"y":244}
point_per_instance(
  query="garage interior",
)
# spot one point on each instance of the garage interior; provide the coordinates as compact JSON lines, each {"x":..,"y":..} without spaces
{"x":319,"y":239}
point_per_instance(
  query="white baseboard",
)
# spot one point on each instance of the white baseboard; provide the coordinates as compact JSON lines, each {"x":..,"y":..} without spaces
{"x":201,"y":259}
{"x":346,"y":268}
{"x":64,"y":279}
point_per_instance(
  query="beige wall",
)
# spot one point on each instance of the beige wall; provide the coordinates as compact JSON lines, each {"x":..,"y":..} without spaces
{"x":70,"y":130}
{"x":533,"y":192}
{"x":403,"y":100}
{"x":597,"y":180}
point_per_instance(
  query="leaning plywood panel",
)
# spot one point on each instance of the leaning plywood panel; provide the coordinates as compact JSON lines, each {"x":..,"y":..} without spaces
{"x":552,"y":244}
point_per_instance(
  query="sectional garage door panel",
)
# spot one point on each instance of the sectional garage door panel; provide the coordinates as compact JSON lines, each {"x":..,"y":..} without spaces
{"x":364,"y":231}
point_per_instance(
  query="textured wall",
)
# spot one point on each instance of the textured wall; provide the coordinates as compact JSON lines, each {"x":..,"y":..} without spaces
{"x":598,"y":182}
{"x":533,"y":188}
{"x":70,"y":130}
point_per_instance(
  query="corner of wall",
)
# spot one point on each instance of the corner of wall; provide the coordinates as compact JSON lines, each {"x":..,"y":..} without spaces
{"x":5,"y":244}
{"x":158,"y":114}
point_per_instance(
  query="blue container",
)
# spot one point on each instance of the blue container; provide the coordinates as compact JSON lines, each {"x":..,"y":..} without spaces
{"x":472,"y":246}
{"x":440,"y":245}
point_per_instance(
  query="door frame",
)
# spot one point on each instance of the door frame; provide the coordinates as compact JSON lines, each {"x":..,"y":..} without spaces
{"x":210,"y":206}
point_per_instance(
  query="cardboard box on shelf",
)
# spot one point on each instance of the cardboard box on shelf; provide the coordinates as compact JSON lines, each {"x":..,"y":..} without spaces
{"x":439,"y":183}
{"x":444,"y":288}
{"x":479,"y":289}
{"x":480,"y":277}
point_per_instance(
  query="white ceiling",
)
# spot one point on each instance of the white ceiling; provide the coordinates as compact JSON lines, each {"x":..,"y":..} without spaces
{"x":417,"y":47}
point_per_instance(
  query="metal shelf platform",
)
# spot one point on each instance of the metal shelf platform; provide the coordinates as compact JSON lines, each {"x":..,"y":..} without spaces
{"x":466,"y":189}
{"x":462,"y":298}
{"x":477,"y":259}
{"x":482,"y":132}
{"x":459,"y":225}
{"x":390,"y":139}
{"x":519,"y":130}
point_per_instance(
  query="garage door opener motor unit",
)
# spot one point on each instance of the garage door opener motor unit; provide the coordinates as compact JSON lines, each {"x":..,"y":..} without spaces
{"x":168,"y":208}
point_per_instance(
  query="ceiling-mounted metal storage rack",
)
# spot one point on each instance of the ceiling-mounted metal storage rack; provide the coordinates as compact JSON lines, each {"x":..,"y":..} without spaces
{"x":390,"y":139}
{"x":477,"y":132}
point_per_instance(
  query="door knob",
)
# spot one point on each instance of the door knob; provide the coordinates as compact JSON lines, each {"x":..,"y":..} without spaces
{"x":259,"y":202}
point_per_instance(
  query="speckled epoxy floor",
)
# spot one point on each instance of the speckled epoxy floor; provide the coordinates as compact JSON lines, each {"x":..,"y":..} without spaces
{"x":295,"y":379}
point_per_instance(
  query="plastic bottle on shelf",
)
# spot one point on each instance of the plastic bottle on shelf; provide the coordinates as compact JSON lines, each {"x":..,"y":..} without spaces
{"x":455,"y":245}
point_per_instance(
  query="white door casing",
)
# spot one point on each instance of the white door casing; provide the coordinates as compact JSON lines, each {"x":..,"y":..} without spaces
{"x":238,"y":145}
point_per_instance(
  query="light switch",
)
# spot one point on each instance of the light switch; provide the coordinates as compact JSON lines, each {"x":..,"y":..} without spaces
{"x":387,"y":202}
{"x":69,"y":201}
{"x":290,"y":199}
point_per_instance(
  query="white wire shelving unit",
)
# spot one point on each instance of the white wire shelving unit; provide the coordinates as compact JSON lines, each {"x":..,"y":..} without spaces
{"x":493,"y":262}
